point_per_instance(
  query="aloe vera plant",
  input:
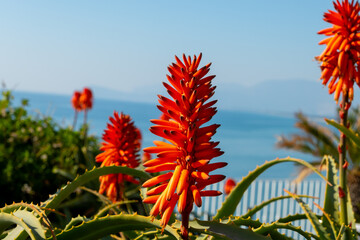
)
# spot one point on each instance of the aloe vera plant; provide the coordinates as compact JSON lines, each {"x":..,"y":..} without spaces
{"x":22,"y":220}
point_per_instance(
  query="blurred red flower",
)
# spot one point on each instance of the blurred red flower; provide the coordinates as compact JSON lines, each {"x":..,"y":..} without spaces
{"x":229,"y":185}
{"x":86,"y":99}
{"x":75,"y":101}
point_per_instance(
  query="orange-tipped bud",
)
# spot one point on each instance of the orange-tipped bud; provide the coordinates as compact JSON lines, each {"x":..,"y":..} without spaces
{"x":151,"y":199}
{"x":196,"y":195}
{"x":158,"y":179}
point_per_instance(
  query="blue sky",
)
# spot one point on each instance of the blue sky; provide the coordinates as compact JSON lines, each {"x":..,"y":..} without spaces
{"x":59,"y":46}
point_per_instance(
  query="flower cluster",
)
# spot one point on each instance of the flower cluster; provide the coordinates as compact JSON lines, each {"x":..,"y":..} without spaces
{"x":185,"y":157}
{"x":75,"y":101}
{"x":82,"y":101}
{"x":122,"y":141}
{"x":340,"y":59}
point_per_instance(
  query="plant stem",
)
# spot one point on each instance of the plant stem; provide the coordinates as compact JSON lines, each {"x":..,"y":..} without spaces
{"x":185,"y":217}
{"x":85,"y":116}
{"x":75,"y":119}
{"x":344,"y":107}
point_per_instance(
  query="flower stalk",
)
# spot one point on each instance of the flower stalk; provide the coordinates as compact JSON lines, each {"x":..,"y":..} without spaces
{"x":343,"y":191}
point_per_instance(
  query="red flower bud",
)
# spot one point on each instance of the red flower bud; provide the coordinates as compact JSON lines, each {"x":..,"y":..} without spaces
{"x":341,"y":193}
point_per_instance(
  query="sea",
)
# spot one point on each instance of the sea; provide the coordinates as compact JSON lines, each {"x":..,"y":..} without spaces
{"x":247,"y":138}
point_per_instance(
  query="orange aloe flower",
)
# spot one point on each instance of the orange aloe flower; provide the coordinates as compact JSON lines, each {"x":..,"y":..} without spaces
{"x":229,"y":185}
{"x":75,"y":101}
{"x":185,"y":158}
{"x":121,"y":145}
{"x":86,"y":99}
{"x":340,"y":59}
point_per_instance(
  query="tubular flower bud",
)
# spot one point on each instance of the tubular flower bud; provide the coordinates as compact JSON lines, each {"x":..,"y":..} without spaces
{"x":186,"y":155}
{"x":340,"y":59}
{"x":121,"y":145}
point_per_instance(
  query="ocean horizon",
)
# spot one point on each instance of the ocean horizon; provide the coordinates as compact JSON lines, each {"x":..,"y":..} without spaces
{"x":247,"y":138}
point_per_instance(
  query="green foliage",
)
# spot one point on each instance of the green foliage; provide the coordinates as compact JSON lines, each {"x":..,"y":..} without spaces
{"x":22,"y":220}
{"x":36,"y":154}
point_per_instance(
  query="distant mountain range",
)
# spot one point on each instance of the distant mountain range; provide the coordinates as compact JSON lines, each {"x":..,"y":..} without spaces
{"x":270,"y":97}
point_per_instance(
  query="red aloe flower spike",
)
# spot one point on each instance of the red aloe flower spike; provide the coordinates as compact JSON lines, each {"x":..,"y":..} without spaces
{"x":86,"y":99}
{"x":341,"y":57}
{"x":121,"y":147}
{"x":76,"y":104}
{"x":75,"y":101}
{"x":190,"y":149}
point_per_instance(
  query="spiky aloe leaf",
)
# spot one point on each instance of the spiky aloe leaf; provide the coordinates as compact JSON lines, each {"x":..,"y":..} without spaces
{"x":266,"y":228}
{"x":318,"y":227}
{"x":24,"y":219}
{"x":103,"y":211}
{"x":76,"y":221}
{"x":257,"y":208}
{"x":351,"y":217}
{"x":65,"y":191}
{"x":101,"y":227}
{"x":229,"y":205}
{"x":250,"y":223}
{"x":348,"y":132}
{"x":228,"y":231}
{"x":331,"y":202}
{"x":294,"y":217}
{"x":17,"y":233}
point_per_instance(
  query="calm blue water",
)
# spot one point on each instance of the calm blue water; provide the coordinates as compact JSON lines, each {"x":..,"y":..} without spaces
{"x":247,"y":139}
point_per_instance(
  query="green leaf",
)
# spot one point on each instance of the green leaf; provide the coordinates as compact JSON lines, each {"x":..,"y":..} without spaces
{"x":331,"y":202}
{"x":229,"y":205}
{"x":257,"y":208}
{"x":103,"y":211}
{"x":250,"y":223}
{"x":318,"y":227}
{"x":266,"y":228}
{"x":17,"y":233}
{"x":294,"y":217}
{"x":348,"y":132}
{"x":64,"y":192}
{"x":228,"y":231}
{"x":29,"y":223}
{"x":76,"y":221}
{"x":101,"y":227}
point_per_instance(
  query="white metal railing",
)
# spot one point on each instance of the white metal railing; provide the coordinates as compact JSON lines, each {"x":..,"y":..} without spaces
{"x":262,"y":190}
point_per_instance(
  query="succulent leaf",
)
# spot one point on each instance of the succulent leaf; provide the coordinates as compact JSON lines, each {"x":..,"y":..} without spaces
{"x":100,"y":227}
{"x":257,"y":208}
{"x":318,"y":227}
{"x":229,"y":205}
{"x":228,"y":231}
{"x":26,"y":220}
{"x":65,"y":191}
